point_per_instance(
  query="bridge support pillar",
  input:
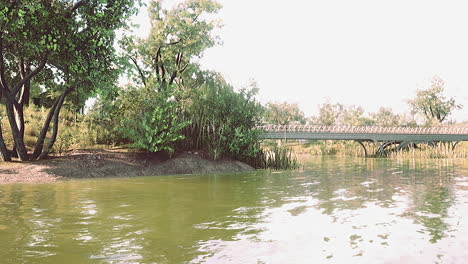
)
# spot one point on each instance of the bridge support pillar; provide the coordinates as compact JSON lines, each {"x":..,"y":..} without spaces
{"x":363,"y":146}
{"x":381,"y":150}
{"x":403,"y":144}
{"x":454,"y":145}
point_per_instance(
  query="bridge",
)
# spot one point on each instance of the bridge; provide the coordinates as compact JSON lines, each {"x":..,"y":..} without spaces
{"x":384,"y":136}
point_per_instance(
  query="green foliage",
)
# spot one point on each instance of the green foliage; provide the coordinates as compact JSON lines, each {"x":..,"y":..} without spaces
{"x":353,"y":116}
{"x":75,"y":40}
{"x":432,"y":104}
{"x":149,"y":118}
{"x":174,"y":104}
{"x":58,"y":47}
{"x":386,"y":118}
{"x":78,"y":131}
{"x":329,"y":113}
{"x":283,"y":113}
{"x":338,"y":114}
{"x":223,"y":120}
{"x":177,"y":37}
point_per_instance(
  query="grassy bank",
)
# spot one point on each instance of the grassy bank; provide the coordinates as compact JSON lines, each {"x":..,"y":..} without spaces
{"x":77,"y":131}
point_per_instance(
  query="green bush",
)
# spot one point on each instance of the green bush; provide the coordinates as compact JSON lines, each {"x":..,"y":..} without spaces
{"x":223,"y":121}
{"x":148,"y":118}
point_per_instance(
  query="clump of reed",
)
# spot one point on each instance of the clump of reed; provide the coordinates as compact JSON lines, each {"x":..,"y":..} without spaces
{"x":329,"y":148}
{"x":353,"y":149}
{"x":440,"y":151}
{"x":278,"y":157}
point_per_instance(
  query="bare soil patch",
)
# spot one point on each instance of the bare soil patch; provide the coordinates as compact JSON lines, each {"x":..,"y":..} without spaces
{"x":114,"y":163}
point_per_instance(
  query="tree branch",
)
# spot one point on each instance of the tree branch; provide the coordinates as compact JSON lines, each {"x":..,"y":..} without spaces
{"x":173,"y":43}
{"x":31,"y":74}
{"x":2,"y":65}
{"x":21,"y":67}
{"x":156,"y":62}
{"x":75,"y":7}
{"x":140,"y":71}
{"x":163,"y":70}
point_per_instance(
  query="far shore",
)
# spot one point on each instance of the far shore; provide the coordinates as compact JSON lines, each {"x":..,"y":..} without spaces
{"x":81,"y":164}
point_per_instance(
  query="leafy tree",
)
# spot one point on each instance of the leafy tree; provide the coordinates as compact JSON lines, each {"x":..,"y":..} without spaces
{"x":329,"y":114}
{"x":162,"y":62}
{"x":283,"y":113}
{"x":177,"y":37}
{"x":386,"y":118}
{"x":63,"y":46}
{"x":338,"y":114}
{"x":353,"y":115}
{"x":432,"y":104}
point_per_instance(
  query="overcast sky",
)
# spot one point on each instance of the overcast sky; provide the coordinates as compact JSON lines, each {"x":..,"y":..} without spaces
{"x":370,"y":53}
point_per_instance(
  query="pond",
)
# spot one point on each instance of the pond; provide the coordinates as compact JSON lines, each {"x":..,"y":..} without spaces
{"x":334,"y":210}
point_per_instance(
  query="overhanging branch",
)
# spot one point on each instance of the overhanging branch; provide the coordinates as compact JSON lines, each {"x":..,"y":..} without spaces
{"x":28,"y":77}
{"x":75,"y":7}
{"x":2,"y":65}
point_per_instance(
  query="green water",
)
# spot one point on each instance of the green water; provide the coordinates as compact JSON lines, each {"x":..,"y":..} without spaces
{"x":333,"y":211}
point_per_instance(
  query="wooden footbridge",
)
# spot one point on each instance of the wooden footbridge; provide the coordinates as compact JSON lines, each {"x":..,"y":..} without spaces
{"x":384,"y":136}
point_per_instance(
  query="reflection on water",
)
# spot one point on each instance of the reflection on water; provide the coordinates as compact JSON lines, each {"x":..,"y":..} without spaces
{"x":335,"y":210}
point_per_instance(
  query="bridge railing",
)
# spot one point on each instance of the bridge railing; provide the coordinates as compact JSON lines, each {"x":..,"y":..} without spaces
{"x":364,"y":129}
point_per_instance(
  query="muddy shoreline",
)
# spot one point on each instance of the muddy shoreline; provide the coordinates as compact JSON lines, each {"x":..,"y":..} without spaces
{"x":83,"y":164}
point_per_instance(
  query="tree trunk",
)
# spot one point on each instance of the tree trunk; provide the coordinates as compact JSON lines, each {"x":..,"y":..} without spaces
{"x":53,"y":138}
{"x":4,"y":154}
{"x":41,"y":138}
{"x":15,"y":131}
{"x":39,"y":151}
{"x":19,"y":115}
{"x":26,"y":94}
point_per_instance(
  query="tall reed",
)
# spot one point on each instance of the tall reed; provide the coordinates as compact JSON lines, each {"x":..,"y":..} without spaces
{"x":431,"y":152}
{"x":353,"y":149}
{"x":280,"y":158}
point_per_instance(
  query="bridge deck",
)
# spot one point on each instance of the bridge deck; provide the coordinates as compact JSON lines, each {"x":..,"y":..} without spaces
{"x":362,"y":133}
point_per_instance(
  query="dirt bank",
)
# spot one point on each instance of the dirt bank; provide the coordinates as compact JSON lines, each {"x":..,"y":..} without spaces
{"x":113,"y":163}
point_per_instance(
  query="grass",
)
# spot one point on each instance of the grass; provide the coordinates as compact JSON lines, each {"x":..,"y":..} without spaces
{"x":353,"y":149}
{"x":75,"y":130}
{"x":279,"y":157}
{"x":428,"y":152}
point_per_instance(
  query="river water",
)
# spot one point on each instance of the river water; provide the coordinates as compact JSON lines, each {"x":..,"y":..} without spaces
{"x":334,"y":210}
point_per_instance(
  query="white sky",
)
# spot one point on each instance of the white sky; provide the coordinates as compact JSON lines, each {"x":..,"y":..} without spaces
{"x":370,"y":53}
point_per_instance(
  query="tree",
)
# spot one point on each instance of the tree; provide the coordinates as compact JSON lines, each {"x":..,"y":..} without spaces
{"x":164,"y":72}
{"x":352,"y":115}
{"x":432,"y":104}
{"x":283,"y":113}
{"x":63,"y":46}
{"x":386,"y":118}
{"x":177,"y":37}
{"x":329,"y":113}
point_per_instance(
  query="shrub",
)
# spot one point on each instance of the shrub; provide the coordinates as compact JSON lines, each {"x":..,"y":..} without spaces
{"x":148,"y":118}
{"x":223,"y":121}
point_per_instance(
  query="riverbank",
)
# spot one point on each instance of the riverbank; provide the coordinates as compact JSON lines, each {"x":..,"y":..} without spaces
{"x":82,"y":164}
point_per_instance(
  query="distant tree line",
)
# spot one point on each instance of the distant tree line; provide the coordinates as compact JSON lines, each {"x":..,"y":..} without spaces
{"x":430,"y":105}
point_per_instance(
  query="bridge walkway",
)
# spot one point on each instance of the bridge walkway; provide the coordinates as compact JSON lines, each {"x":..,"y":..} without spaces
{"x":384,"y":136}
